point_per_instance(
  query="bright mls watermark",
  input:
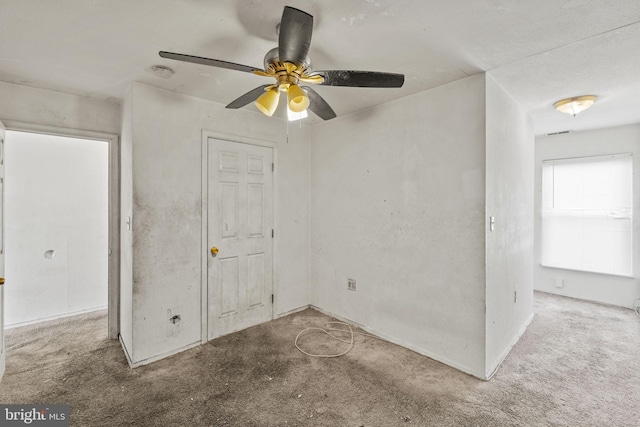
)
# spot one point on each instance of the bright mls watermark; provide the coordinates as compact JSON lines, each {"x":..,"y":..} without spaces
{"x":34,"y":415}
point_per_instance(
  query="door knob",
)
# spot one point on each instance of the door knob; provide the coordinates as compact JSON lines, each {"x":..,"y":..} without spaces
{"x":1,"y":280}
{"x":214,"y":251}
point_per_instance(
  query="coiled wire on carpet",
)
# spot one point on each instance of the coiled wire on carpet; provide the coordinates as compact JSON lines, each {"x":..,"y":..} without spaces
{"x":328,"y":330}
{"x":351,"y":334}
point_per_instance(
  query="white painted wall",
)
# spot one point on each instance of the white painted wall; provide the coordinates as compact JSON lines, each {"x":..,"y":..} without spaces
{"x":46,"y":107}
{"x":400,"y":198}
{"x":509,"y":247}
{"x":607,"y":289}
{"x":165,"y":204}
{"x":292,"y":218}
{"x":126,"y":209}
{"x":398,"y":204}
{"x":56,"y":199}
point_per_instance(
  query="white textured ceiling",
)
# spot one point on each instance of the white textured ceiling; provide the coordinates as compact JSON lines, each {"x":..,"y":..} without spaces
{"x":540,"y":51}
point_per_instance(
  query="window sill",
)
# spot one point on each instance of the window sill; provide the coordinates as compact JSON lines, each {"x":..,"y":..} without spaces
{"x":624,"y":276}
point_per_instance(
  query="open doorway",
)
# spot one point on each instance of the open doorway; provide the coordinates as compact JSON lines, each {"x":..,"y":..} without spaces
{"x":63,"y":206}
{"x":57,"y":226}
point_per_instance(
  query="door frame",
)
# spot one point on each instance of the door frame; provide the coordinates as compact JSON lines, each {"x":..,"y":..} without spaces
{"x":204,"y":249}
{"x":113,"y":299}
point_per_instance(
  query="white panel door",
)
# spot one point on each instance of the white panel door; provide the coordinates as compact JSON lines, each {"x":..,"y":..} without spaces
{"x":239,"y":227}
{"x":2,"y":135}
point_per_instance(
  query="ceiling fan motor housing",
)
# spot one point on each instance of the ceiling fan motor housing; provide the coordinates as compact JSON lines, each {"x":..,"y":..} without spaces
{"x":274,"y":56}
{"x":286,"y":73}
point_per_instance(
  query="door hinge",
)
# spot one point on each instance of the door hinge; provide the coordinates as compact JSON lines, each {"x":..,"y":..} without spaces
{"x":271,"y":298}
{"x":273,"y":233}
{"x":273,"y":167}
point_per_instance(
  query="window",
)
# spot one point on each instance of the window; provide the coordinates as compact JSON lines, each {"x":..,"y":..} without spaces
{"x":587,"y":214}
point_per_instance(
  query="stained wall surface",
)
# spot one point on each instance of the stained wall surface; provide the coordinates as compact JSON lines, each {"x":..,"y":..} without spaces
{"x":393,"y":197}
{"x":46,"y":107}
{"x":126,"y":237}
{"x":165,"y":208}
{"x":398,"y":204}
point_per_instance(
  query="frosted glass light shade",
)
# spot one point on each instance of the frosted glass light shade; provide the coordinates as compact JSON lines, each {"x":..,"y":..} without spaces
{"x":268,"y":101}
{"x":576,"y":104}
{"x":293,"y":116}
{"x":298,"y":99}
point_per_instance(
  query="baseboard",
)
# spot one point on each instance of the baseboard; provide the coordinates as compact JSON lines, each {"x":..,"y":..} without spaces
{"x":295,"y":310}
{"x":403,"y":344}
{"x":125,"y":351}
{"x":579,"y":298}
{"x":138,"y":363}
{"x":57,"y":317}
{"x":505,"y":353}
{"x":148,"y":360}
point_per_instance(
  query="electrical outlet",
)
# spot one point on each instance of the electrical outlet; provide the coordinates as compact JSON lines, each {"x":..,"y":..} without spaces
{"x":515,"y":296}
{"x":351,"y":284}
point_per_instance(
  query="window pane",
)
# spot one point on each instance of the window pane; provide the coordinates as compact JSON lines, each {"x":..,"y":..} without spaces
{"x":587,"y":214}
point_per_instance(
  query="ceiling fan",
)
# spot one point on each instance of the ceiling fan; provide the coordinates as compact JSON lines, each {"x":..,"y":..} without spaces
{"x":289,"y":65}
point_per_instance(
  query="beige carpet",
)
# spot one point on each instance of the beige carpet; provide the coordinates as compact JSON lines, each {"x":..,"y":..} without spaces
{"x":578,"y":364}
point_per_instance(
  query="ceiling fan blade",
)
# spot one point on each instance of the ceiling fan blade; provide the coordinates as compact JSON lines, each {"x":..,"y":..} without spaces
{"x":360,"y":78}
{"x":248,"y":97}
{"x":296,"y":27}
{"x":318,"y":105}
{"x":208,"y":61}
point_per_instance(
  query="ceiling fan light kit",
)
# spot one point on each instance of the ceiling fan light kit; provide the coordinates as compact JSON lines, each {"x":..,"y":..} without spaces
{"x":268,"y":101}
{"x":293,"y":116}
{"x":576,"y":104}
{"x":289,"y":64}
{"x":298,"y":99}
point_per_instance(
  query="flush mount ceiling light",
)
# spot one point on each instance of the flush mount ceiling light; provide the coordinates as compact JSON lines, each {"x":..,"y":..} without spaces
{"x":162,"y":71}
{"x":576,"y":104}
